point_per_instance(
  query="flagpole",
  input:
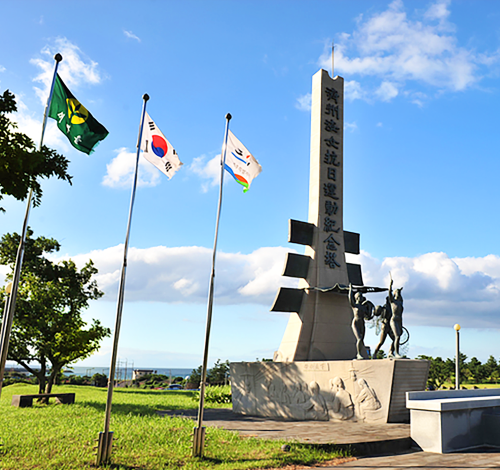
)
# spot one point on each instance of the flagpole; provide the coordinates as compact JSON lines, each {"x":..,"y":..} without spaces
{"x":10,"y":309}
{"x":333,"y":52}
{"x":199,"y":431}
{"x":105,"y":440}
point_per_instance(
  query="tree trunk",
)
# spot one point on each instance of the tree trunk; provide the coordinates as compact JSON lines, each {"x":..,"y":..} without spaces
{"x":41,"y":376}
{"x":52,"y":378}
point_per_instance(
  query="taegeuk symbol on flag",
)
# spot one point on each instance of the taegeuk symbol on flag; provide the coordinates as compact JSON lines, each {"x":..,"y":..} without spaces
{"x":240,"y":163}
{"x":158,"y":150}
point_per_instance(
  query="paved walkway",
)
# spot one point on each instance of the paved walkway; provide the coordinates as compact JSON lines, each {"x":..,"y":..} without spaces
{"x":319,"y":432}
{"x":482,"y":459}
{"x":386,"y":446}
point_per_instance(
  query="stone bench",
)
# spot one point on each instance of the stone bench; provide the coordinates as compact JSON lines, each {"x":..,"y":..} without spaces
{"x":451,"y":420}
{"x":23,"y":401}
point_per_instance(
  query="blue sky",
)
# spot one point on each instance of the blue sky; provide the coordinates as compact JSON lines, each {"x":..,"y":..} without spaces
{"x":421,"y":160}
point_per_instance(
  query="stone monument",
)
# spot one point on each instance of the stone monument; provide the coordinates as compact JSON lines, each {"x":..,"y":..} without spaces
{"x":317,"y":372}
{"x":319,"y":327}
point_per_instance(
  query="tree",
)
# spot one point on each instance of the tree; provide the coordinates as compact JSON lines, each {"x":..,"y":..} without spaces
{"x":464,"y":370}
{"x":491,"y":369}
{"x":215,"y":376}
{"x":195,"y":377}
{"x":48,"y":327}
{"x":381,"y":354}
{"x":218,"y":373}
{"x":439,"y":371}
{"x":478,"y":371}
{"x":99,"y":380}
{"x":21,"y":164}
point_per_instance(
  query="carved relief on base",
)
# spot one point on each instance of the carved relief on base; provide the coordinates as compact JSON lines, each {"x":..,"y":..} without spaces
{"x":341,"y":406}
{"x":321,"y":391}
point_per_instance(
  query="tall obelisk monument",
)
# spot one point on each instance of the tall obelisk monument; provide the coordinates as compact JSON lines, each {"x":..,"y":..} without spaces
{"x":318,"y":344}
{"x":319,"y":327}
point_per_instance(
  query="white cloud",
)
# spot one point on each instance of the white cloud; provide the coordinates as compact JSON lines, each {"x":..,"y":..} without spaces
{"x":396,"y":49}
{"x":75,"y":68}
{"x":417,"y":97}
{"x":266,"y":266}
{"x":120,"y":172}
{"x":438,"y":11}
{"x":489,"y":265}
{"x":207,"y":170}
{"x":439,"y":290}
{"x":29,"y":123}
{"x":304,"y":102}
{"x":131,"y":35}
{"x":353,"y":90}
{"x":181,"y":274}
{"x":350,"y":126}
{"x":387,"y":91}
{"x":2,"y":68}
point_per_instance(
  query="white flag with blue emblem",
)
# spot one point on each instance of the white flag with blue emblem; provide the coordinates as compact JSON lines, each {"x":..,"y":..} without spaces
{"x":157,"y":149}
{"x":240,"y":163}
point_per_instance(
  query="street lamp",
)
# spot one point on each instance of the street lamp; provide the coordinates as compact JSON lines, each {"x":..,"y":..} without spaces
{"x":457,"y":359}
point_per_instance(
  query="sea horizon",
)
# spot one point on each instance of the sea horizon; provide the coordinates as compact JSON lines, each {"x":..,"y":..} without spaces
{"x":122,"y":373}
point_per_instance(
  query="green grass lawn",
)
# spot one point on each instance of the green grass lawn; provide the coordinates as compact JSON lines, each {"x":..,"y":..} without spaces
{"x":450,"y":385}
{"x":64,"y":436}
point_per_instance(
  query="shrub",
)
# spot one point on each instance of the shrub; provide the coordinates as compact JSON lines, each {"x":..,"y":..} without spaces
{"x":100,"y":380}
{"x":216,"y":394}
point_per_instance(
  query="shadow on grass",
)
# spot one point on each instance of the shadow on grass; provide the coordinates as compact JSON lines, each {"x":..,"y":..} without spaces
{"x":342,"y":450}
{"x":126,"y":408}
{"x":179,"y":393}
{"x":278,"y":461}
{"x":216,"y":461}
{"x":117,"y":466}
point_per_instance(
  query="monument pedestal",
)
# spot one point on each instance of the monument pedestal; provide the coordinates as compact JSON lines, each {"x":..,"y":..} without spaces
{"x":372,"y":391}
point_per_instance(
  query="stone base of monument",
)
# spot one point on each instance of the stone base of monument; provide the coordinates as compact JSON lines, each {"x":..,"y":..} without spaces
{"x":372,"y":391}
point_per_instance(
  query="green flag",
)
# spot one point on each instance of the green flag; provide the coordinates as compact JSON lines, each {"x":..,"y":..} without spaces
{"x":80,"y":127}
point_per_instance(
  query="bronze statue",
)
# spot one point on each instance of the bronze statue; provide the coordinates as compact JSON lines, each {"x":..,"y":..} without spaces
{"x":385,"y":314}
{"x":362,"y":310}
{"x":396,"y":306}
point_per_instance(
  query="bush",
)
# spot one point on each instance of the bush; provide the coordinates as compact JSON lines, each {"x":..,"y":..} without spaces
{"x":153,"y":378}
{"x":216,"y":394}
{"x":15,"y":378}
{"x":11,"y":381}
{"x":78,"y":380}
{"x":100,"y":380}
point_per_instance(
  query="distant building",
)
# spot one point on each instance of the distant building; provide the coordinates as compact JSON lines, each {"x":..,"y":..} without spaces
{"x":138,"y":373}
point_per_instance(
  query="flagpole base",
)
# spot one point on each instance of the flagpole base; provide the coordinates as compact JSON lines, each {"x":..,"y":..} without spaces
{"x":104,"y":447}
{"x":198,"y":441}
